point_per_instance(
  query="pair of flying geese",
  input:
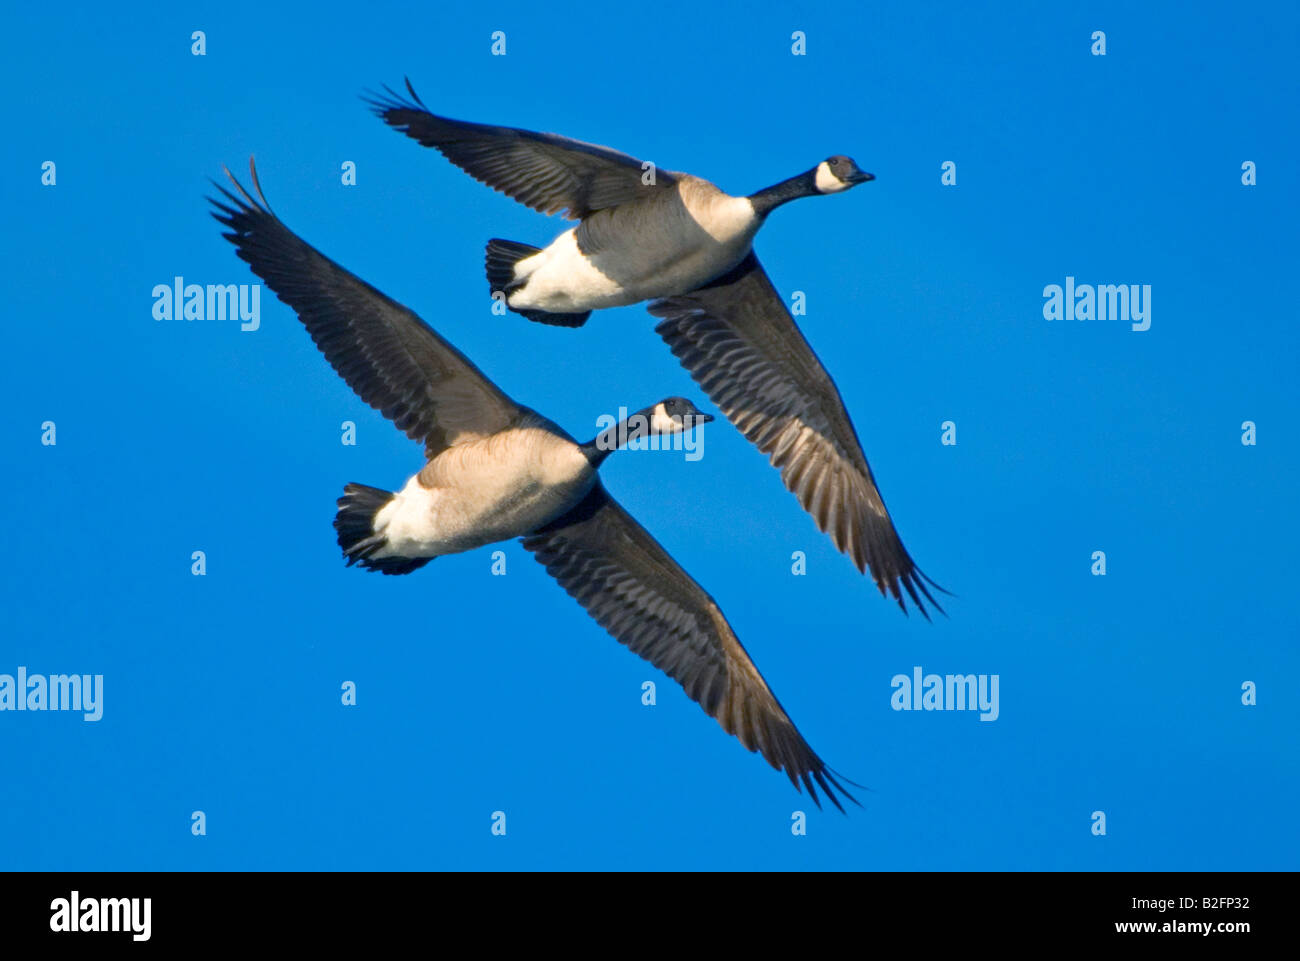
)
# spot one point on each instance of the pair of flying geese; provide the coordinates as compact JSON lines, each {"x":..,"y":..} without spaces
{"x":497,"y":469}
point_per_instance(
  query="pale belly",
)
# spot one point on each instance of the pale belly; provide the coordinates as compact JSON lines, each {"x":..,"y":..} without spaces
{"x":620,"y":264}
{"x":481,"y":496}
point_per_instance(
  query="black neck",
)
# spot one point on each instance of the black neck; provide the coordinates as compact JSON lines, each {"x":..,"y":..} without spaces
{"x":768,"y":199}
{"x":613,"y":438}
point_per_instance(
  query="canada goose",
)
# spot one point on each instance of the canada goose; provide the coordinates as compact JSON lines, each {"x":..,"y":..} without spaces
{"x":683,"y":242}
{"x":496,"y":470}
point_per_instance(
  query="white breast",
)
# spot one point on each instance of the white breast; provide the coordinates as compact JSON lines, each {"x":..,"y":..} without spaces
{"x":727,"y":220}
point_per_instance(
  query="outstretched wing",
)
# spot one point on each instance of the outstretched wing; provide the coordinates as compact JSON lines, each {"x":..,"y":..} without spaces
{"x":741,"y":345}
{"x":394,"y":361}
{"x":544,"y":171}
{"x":634,"y":589}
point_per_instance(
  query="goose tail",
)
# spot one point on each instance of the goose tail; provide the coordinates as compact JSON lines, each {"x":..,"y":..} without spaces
{"x":355,"y":524}
{"x":502,"y":256}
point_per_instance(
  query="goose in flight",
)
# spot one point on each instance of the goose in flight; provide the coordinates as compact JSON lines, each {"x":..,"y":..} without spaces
{"x":496,"y":470}
{"x":679,"y":241}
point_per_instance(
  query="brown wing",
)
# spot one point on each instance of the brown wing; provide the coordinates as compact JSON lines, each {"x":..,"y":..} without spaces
{"x":394,"y":361}
{"x":544,"y":171}
{"x":743,"y":348}
{"x":634,"y":589}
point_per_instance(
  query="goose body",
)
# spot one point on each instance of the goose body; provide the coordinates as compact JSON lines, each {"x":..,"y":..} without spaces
{"x":685,"y":246}
{"x":487,"y":490}
{"x":495,"y":470}
{"x":664,"y":243}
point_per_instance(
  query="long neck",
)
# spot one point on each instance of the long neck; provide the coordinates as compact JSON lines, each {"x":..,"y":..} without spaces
{"x":768,"y":199}
{"x":617,"y":436}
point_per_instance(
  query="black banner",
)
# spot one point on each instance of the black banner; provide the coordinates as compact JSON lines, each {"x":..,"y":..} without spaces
{"x":234,"y":909}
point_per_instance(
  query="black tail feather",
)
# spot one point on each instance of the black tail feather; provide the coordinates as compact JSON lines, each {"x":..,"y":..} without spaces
{"x":555,"y":320}
{"x":502,"y":255}
{"x":355,"y":523}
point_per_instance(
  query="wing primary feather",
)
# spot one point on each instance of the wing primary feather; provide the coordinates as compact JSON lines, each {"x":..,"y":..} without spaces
{"x":740,"y":344}
{"x":547,"y":172}
{"x":394,"y":361}
{"x":634,"y":589}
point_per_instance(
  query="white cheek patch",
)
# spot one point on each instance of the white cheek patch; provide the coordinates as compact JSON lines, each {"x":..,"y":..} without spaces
{"x":827,"y":182}
{"x":661,"y":422}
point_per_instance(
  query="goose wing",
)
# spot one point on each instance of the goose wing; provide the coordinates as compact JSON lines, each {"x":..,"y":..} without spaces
{"x":741,"y":345}
{"x":634,"y":589}
{"x":394,"y":361}
{"x":543,"y":171}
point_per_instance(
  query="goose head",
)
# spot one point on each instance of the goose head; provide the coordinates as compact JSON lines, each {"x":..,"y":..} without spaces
{"x":838,"y":173}
{"x":672,"y":415}
{"x":832,"y":176}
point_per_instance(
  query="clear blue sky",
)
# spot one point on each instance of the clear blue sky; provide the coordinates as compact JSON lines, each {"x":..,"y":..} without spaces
{"x":478,"y":693}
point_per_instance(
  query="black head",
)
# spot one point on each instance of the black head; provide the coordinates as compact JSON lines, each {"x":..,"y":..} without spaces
{"x":840,"y":173}
{"x":675,"y":414}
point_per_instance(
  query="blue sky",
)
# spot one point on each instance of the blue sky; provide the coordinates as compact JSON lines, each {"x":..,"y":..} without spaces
{"x":476,"y":693}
